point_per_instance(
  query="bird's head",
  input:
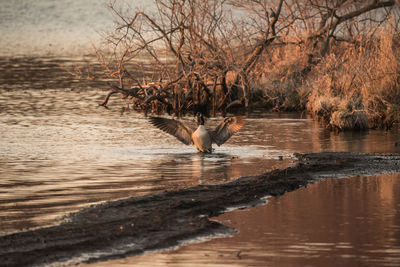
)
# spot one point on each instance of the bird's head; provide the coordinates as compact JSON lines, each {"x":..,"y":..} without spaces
{"x":200,"y":118}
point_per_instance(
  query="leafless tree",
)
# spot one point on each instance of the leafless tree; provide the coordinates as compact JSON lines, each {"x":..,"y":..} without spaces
{"x":190,"y":55}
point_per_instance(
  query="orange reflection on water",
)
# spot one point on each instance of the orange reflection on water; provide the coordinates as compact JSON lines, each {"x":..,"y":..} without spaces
{"x":338,"y":222}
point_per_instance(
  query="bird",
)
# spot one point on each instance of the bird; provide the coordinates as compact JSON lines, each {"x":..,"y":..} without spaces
{"x":200,"y":137}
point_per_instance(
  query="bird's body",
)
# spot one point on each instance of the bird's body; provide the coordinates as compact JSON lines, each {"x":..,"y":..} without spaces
{"x":201,"y":137}
{"x":202,"y":140}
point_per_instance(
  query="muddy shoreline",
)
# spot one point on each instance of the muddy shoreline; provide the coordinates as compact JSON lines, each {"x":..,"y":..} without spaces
{"x":131,"y":226}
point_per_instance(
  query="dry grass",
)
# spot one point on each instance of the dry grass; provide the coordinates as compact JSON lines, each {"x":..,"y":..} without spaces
{"x":356,"y":86}
{"x":278,"y":84}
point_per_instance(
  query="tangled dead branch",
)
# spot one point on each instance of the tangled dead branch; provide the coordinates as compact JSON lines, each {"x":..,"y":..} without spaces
{"x":191,"y":55}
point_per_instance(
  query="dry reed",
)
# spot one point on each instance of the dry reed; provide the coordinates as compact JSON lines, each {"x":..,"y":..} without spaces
{"x":355,"y":86}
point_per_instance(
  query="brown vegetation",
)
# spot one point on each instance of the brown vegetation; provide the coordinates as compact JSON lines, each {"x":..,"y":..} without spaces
{"x":358,"y":87}
{"x":336,"y":59}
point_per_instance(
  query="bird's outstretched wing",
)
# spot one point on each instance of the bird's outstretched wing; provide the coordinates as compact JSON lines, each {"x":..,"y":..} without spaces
{"x":226,"y":129}
{"x":176,"y":128}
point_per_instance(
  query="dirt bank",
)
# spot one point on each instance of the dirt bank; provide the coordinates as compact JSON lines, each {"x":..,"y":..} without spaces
{"x":131,"y":226}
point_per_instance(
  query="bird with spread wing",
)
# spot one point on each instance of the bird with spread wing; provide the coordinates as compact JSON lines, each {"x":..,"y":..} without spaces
{"x":201,"y":137}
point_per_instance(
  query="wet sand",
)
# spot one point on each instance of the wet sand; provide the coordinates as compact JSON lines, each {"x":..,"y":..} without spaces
{"x":131,"y":226}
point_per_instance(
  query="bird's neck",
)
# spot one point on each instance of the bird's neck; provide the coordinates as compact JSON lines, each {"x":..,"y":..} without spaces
{"x":201,"y":129}
{"x":201,"y":121}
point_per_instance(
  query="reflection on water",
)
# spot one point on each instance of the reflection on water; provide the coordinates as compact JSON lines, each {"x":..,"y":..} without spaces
{"x":338,"y":222}
{"x":60,"y":151}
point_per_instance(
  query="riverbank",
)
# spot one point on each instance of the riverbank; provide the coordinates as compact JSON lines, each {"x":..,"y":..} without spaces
{"x":133,"y":225}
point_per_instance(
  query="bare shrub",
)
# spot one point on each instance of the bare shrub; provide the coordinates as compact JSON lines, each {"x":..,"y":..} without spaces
{"x":329,"y":57}
{"x":319,"y":66}
{"x":200,"y":55}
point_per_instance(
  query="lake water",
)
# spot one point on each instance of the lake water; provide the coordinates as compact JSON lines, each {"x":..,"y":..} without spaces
{"x":62,"y":27}
{"x":60,"y":151}
{"x":338,"y":222}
